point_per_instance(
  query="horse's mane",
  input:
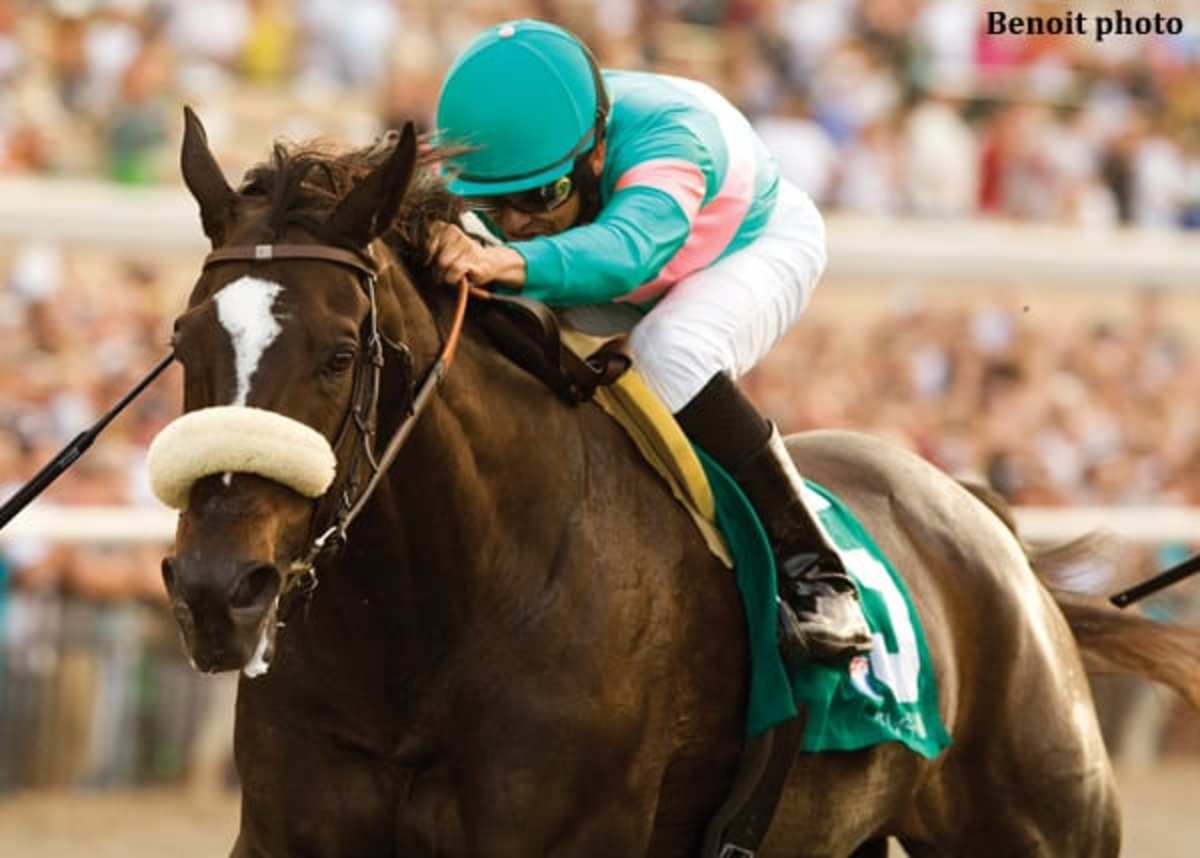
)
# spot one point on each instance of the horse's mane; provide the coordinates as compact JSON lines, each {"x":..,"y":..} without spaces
{"x":302,"y":182}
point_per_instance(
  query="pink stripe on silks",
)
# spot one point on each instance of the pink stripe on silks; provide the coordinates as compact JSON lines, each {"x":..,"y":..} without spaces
{"x":717,"y":222}
{"x":683,"y":180}
{"x":712,"y":230}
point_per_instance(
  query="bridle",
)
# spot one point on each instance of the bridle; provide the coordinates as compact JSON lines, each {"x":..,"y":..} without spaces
{"x":363,"y":412}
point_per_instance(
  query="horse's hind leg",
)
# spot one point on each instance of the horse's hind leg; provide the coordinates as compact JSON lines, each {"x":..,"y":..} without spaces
{"x":1012,"y":831}
{"x":1063,"y":816}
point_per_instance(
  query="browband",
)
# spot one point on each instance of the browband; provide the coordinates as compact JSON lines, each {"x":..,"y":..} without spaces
{"x":270,"y":252}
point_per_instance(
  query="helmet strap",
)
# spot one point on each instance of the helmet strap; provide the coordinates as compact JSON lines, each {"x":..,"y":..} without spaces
{"x":587,"y":185}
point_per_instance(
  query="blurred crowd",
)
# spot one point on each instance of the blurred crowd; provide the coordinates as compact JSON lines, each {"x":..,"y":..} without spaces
{"x":877,"y":106}
{"x":93,"y":687}
{"x":1050,"y":411}
{"x":880,"y":106}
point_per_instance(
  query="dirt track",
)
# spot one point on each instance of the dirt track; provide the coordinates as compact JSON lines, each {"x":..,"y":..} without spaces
{"x":162,"y":824}
{"x":1161,"y":821}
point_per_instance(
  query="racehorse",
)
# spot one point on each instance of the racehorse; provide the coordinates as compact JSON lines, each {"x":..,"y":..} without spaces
{"x":523,"y":646}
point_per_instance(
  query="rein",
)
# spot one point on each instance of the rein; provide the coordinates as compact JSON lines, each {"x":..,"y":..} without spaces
{"x":363,"y":410}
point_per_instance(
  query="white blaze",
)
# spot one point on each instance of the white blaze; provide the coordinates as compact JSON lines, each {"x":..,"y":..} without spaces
{"x":244,"y":310}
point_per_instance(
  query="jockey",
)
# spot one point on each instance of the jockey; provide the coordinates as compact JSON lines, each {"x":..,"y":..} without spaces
{"x":627,"y":186}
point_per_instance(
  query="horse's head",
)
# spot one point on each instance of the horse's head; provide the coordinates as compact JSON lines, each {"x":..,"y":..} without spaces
{"x":280,"y":381}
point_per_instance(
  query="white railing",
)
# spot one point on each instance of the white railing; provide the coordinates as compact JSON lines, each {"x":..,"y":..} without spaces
{"x":92,"y":524}
{"x":164,"y":219}
{"x":1144,"y":524}
{"x":1151,"y":525}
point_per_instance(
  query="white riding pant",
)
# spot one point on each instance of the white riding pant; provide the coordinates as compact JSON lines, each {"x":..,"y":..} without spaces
{"x":726,"y":317}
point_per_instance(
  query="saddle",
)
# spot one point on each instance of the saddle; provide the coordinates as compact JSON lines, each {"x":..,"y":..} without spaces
{"x":529,"y":334}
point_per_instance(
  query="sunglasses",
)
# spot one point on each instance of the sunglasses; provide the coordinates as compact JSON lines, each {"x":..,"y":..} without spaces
{"x":539,"y":200}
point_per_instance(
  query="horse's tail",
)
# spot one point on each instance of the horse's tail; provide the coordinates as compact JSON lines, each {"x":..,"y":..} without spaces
{"x":1111,"y":640}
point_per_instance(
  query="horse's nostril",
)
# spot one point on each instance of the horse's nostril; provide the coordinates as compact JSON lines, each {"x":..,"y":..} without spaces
{"x":252,"y":586}
{"x":168,"y":573}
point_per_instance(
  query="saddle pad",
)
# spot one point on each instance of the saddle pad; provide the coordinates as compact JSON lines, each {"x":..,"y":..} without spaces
{"x":658,"y":437}
{"x":890,"y":695}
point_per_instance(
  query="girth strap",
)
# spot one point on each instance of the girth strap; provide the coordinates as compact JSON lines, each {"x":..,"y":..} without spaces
{"x":740,"y":825}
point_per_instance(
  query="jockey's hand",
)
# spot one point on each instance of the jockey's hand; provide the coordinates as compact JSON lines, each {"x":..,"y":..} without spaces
{"x":455,"y":256}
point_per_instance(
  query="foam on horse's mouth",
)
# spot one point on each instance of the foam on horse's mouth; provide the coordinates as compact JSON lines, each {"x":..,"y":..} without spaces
{"x":260,"y":662}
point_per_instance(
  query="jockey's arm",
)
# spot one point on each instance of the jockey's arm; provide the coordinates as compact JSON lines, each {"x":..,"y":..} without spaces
{"x":634,"y":236}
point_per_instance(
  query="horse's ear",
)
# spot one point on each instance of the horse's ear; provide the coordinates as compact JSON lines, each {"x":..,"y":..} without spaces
{"x":369,"y":209}
{"x":204,"y":179}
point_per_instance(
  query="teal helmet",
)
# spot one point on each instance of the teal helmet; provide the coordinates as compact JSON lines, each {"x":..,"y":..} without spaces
{"x":526,"y":97}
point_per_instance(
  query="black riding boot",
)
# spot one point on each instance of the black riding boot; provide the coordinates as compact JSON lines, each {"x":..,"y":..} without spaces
{"x":820,"y":616}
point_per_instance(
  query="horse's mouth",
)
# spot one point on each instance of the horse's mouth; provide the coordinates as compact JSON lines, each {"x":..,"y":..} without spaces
{"x":212,"y":660}
{"x":223,"y":646}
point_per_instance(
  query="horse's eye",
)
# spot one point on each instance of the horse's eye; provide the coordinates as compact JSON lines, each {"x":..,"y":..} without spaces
{"x":341,"y":361}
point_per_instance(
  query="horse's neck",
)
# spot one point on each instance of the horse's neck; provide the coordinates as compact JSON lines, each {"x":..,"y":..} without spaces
{"x":493,"y":452}
{"x":494,"y":464}
{"x":494,"y":447}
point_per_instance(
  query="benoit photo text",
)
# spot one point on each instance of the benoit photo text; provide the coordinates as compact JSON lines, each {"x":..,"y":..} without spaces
{"x":1100,"y":27}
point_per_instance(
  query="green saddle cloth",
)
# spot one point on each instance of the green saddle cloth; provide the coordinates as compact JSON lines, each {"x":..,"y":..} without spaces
{"x":889,"y":695}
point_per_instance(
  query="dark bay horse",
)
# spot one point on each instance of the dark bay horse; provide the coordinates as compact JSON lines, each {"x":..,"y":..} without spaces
{"x":524,"y":647}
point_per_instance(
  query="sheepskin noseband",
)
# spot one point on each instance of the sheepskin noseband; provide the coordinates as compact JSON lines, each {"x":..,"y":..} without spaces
{"x":238,"y":439}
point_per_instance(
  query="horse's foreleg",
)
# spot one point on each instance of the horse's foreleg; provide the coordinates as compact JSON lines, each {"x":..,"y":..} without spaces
{"x":304,"y":794}
{"x":242,"y":850}
{"x":915,"y":849}
{"x":560,"y":822}
{"x":872,"y":849}
{"x":555,"y":795}
{"x":596,"y":832}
